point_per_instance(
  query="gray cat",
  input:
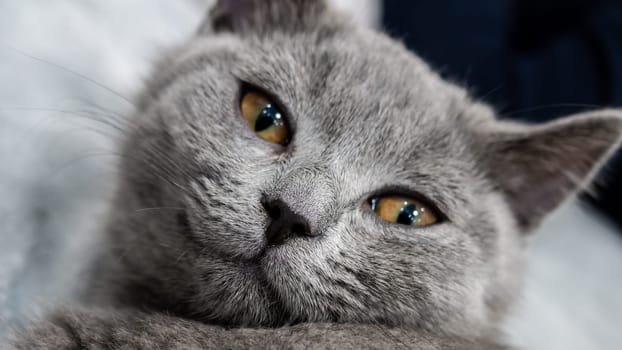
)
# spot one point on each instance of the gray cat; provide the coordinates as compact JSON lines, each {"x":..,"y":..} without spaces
{"x":313,"y":184}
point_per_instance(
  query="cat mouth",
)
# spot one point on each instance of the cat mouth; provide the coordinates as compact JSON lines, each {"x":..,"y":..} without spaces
{"x":264,"y":254}
{"x":270,"y":247}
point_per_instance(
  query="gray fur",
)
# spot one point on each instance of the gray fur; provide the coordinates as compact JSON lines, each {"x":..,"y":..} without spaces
{"x":99,"y":329}
{"x":367,"y":117}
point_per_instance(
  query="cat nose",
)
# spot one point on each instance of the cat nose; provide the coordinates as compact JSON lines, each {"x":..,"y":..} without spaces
{"x":284,"y":222}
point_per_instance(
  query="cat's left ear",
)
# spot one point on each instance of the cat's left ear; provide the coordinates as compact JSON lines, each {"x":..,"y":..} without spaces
{"x":262,"y":16}
{"x":538,"y":166}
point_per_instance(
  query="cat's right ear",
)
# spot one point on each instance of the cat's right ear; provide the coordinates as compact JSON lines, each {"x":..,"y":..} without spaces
{"x":262,"y":16}
{"x":538,"y":166}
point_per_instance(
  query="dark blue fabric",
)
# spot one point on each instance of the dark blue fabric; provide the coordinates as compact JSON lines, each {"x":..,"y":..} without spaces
{"x":532,"y":59}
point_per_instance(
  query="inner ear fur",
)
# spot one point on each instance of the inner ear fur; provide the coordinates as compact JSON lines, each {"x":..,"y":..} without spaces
{"x":537,"y":167}
{"x":263,"y":16}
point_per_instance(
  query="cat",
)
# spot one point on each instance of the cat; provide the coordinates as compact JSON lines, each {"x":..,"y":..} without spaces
{"x":293,"y":180}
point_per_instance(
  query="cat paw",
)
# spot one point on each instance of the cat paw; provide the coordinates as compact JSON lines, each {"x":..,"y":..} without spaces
{"x":59,"y":331}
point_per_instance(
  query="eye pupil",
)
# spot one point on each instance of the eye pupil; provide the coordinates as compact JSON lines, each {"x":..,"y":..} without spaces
{"x":263,"y":121}
{"x":266,"y":118}
{"x":408,"y":215}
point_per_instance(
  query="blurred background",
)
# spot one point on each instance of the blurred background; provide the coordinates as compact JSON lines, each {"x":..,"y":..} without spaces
{"x":67,"y":69}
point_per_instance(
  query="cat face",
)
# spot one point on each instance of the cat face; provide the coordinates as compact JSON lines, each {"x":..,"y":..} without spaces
{"x":293,"y":217}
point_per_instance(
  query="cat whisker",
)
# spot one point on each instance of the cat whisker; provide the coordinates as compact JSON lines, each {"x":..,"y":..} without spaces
{"x":72,"y":72}
{"x":548,"y":106}
{"x":181,"y":256}
{"x":119,"y":119}
{"x":70,"y":113}
{"x":158,"y":171}
{"x":77,"y":160}
{"x":491,"y":91}
{"x":158,"y":208}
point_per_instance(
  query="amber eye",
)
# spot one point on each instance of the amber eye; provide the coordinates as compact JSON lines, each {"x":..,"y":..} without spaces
{"x":404,"y":210}
{"x":264,"y":117}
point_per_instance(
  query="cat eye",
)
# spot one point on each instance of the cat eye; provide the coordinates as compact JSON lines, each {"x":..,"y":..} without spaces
{"x":264,"y":117}
{"x":404,"y":210}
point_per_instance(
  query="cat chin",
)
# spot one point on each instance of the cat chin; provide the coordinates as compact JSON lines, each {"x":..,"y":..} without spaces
{"x":258,"y":291}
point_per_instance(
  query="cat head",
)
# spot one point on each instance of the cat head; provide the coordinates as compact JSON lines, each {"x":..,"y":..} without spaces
{"x":301,"y":168}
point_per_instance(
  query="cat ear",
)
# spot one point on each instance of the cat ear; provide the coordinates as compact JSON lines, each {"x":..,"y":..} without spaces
{"x":261,"y":16}
{"x":539,"y":166}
